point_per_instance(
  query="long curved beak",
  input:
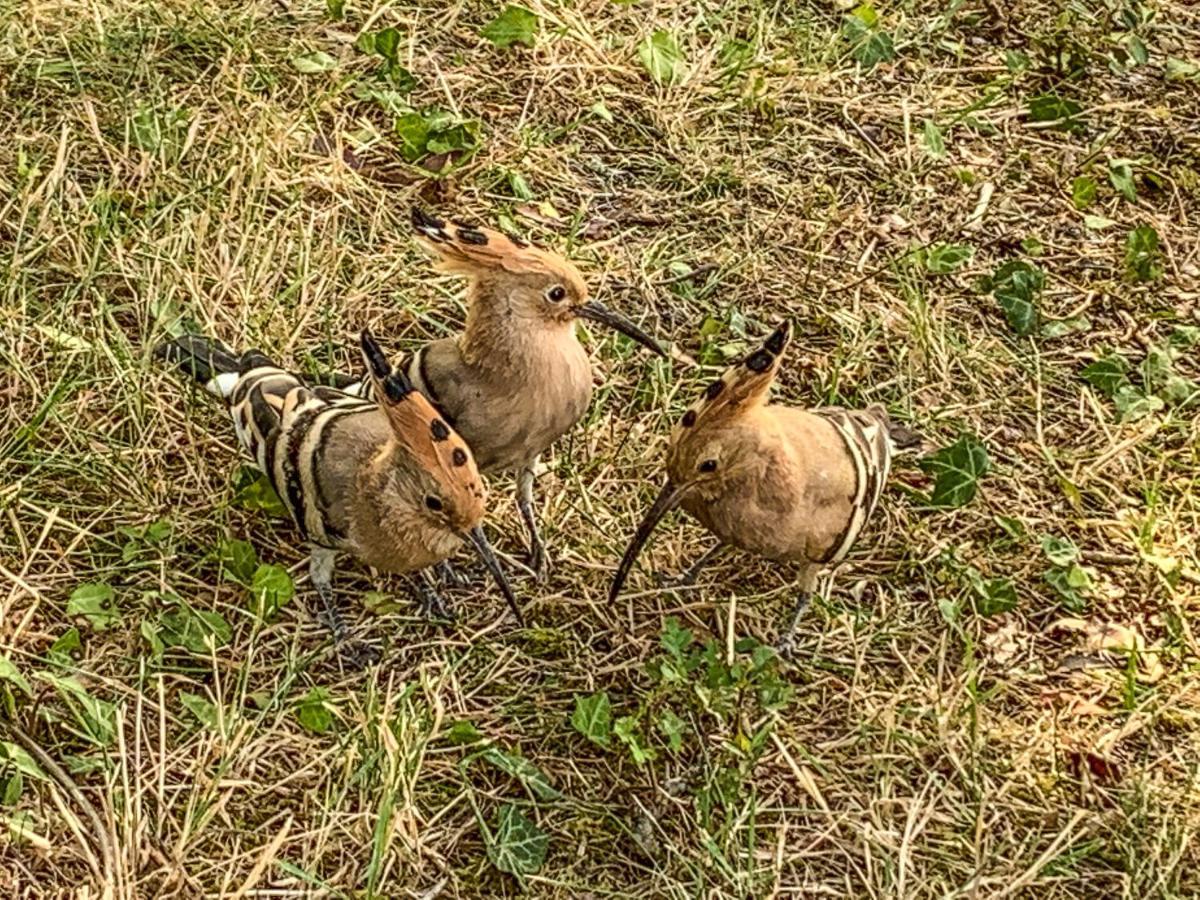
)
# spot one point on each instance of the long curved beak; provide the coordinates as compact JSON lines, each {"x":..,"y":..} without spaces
{"x":598,"y":312}
{"x":668,"y":498}
{"x":480,"y":542}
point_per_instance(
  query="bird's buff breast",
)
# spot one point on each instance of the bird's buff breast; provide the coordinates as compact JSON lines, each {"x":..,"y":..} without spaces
{"x":535,"y":411}
{"x":747,"y":526}
{"x":407,"y":547}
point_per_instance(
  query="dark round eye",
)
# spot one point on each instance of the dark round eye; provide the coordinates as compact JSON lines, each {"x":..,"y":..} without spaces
{"x":556,"y":294}
{"x":709,"y":465}
{"x":433,"y":503}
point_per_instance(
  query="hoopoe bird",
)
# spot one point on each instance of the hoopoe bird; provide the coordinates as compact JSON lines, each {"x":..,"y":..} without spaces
{"x":389,"y":482}
{"x":516,"y":379}
{"x":787,"y":484}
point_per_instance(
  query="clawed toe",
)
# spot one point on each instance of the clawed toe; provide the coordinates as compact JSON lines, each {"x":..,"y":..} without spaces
{"x":358,"y":655}
{"x":452,"y":577}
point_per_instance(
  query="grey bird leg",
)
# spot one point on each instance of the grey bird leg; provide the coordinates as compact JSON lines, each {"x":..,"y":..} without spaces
{"x":689,"y":575}
{"x":452,"y":577}
{"x":538,"y":560}
{"x":429,"y":601}
{"x":320,"y":572}
{"x":787,"y":641}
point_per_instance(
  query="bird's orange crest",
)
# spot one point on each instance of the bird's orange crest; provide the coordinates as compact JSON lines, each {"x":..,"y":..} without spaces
{"x":470,"y":250}
{"x":421,"y":430}
{"x":741,"y":387}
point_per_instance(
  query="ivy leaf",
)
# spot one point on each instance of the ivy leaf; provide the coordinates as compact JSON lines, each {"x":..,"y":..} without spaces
{"x":515,"y":25}
{"x":626,"y":729}
{"x":313,"y":63}
{"x":662,"y":57}
{"x":1083,"y":191}
{"x":870,"y":45}
{"x":336,"y":9}
{"x":957,"y":470}
{"x":238,"y":559}
{"x":387,"y":44}
{"x":1016,"y":286}
{"x":1143,"y":259}
{"x":271,"y":587}
{"x":1062,"y":327}
{"x":95,"y":603}
{"x":204,"y":711}
{"x":1120,"y":175}
{"x":314,"y":711}
{"x":517,"y":846}
{"x":1070,"y":583}
{"x":935,"y":144}
{"x":252,"y":490}
{"x":676,"y":639}
{"x":1181,"y":69}
{"x":993,"y":596}
{"x":524,"y":771}
{"x":197,"y":631}
{"x":1061,"y":111}
{"x":464,"y":732}
{"x":593,"y":718}
{"x":1133,"y":404}
{"x":942,"y":259}
{"x":1059,"y":550}
{"x":1108,"y":374}
{"x":672,"y":728}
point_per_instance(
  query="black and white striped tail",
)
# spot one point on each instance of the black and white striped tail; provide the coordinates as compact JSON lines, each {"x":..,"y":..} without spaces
{"x":282,"y":423}
{"x":871,"y":439}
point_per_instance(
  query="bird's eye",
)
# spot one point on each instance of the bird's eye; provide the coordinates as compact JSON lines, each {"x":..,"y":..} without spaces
{"x":709,"y":465}
{"x":433,"y":503}
{"x":556,"y":294}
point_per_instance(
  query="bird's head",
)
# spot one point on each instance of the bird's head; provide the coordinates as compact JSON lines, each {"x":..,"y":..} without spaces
{"x":522,"y":284}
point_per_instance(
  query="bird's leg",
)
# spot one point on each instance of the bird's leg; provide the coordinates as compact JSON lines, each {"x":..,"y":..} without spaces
{"x":429,"y":601}
{"x":689,"y":575}
{"x":538,"y":560}
{"x":320,"y":572}
{"x":452,"y":577}
{"x":787,"y":641}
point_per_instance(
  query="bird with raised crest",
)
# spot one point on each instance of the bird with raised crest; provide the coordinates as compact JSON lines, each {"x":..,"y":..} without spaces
{"x":517,"y":378}
{"x":788,"y":484}
{"x":389,"y":482}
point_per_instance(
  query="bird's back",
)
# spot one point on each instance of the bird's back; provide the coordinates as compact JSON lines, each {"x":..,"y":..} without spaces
{"x":507,"y":413}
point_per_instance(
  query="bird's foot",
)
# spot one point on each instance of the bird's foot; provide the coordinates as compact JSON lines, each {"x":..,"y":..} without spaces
{"x":539,"y":562}
{"x":357,"y":655}
{"x":452,"y":577}
{"x":675,"y":582}
{"x":430,"y":603}
{"x":786,"y":645}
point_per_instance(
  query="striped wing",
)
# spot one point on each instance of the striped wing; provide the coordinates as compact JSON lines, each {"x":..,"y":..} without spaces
{"x":414,"y":370}
{"x":286,"y":426}
{"x":866,"y":435}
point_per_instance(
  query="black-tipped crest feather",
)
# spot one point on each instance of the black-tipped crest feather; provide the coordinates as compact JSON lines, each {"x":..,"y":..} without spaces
{"x":395,"y":384}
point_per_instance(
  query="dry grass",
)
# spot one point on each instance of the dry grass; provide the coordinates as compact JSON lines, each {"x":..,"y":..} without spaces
{"x":927,"y":750}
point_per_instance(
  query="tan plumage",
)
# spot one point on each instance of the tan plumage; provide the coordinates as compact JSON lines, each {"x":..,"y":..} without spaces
{"x":389,"y":482}
{"x":517,"y":378}
{"x":787,"y":484}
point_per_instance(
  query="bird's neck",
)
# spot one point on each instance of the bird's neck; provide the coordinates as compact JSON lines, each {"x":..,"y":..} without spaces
{"x":499,"y":338}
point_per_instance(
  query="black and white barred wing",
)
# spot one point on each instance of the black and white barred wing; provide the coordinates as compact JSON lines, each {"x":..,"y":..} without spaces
{"x":866,"y":434}
{"x":287,"y":427}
